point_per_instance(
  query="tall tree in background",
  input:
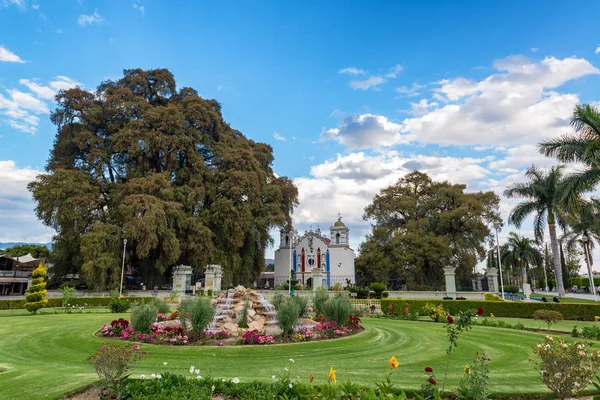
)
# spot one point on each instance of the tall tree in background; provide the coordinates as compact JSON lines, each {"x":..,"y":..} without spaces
{"x":141,"y":160}
{"x":583,"y":146}
{"x":521,"y":252}
{"x":36,"y":250}
{"x":543,"y":200}
{"x":421,"y":226}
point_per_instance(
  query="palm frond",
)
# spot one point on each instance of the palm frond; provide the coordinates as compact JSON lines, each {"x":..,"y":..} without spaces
{"x":566,"y":148}
{"x":522,"y":211}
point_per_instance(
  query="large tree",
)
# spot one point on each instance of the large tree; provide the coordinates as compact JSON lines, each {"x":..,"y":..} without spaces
{"x":142,"y":160}
{"x":542,"y":196}
{"x":421,"y":226}
{"x":520,"y":252}
{"x":36,"y":250}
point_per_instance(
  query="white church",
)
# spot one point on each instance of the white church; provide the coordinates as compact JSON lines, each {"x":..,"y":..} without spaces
{"x":332,"y":255}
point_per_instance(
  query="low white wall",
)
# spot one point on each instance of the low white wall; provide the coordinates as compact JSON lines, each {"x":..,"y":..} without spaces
{"x":393,"y":295}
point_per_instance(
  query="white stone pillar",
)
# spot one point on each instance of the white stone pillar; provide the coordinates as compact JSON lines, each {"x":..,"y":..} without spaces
{"x":182,"y":276}
{"x":450,"y":275}
{"x":317,"y":279}
{"x":492,"y":275}
{"x":212,"y":278}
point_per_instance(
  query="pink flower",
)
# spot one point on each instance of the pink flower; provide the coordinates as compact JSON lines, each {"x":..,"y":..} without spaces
{"x":406,"y":310}
{"x":136,"y":347}
{"x":390,"y":307}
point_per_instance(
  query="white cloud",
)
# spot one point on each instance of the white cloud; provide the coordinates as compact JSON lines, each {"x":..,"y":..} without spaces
{"x":597,"y":50}
{"x":366,"y":131}
{"x":64,"y":83}
{"x":422,"y":107}
{"x":20,"y":4}
{"x":43,"y":92}
{"x":394,"y":71}
{"x":535,"y":49}
{"x":8,"y":56}
{"x":371,"y":82}
{"x":277,"y":136}
{"x":19,"y":222}
{"x":93,"y":19}
{"x":352,"y":71}
{"x":409,"y":91}
{"x":140,"y":8}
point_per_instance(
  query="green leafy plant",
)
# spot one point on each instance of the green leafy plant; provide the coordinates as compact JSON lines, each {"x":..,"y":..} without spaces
{"x":198,"y":311}
{"x":302,"y":303}
{"x":321,"y":297}
{"x":161,"y":306}
{"x":338,"y":309}
{"x":36,"y":298}
{"x":453,"y":330}
{"x":549,"y":316}
{"x":287,"y":316}
{"x":243,"y":322}
{"x":278,"y":298}
{"x":142,"y":317}
{"x":474,"y":384}
{"x":113,"y":364}
{"x":68,"y":293}
{"x":437,"y":313}
{"x":119,"y":304}
{"x":173,"y":296}
{"x":566,"y":368}
{"x":378,"y":288}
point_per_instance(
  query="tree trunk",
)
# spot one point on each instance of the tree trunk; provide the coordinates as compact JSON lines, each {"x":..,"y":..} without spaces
{"x":556,"y":258}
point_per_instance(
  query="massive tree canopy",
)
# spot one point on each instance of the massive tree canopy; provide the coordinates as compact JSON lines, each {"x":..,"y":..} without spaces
{"x":421,"y":226}
{"x":141,"y":160}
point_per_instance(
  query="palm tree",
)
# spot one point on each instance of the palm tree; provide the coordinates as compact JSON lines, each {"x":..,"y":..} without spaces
{"x":583,"y":146}
{"x":521,"y":252}
{"x":542,"y":192}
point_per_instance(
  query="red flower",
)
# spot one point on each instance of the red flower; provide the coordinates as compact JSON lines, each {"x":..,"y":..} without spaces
{"x":480,"y":311}
{"x":390,"y":307}
{"x":450,"y":319}
{"x":432,"y":381}
{"x":406,"y":310}
{"x":428,"y":369}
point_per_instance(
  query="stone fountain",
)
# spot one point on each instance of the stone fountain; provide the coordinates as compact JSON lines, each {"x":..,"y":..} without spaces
{"x":230,"y":304}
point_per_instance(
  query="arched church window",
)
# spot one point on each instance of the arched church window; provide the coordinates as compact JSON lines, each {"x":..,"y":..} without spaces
{"x":337,"y":238}
{"x":287,"y":240}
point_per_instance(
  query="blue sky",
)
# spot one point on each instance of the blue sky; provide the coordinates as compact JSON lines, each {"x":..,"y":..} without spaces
{"x":361,"y":92}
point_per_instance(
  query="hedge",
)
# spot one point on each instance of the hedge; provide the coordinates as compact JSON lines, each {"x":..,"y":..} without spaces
{"x":570,"y":311}
{"x":76,"y":301}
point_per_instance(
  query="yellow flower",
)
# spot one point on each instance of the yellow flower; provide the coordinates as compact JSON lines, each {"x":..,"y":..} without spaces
{"x":467,"y":370}
{"x":596,"y":318}
{"x":491,"y":315}
{"x":332,"y":377}
{"x":393,"y":363}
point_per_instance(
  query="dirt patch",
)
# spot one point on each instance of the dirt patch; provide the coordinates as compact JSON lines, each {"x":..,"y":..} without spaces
{"x":91,"y":393}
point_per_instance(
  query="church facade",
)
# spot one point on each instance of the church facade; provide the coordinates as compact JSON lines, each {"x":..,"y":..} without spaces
{"x":314,"y":250}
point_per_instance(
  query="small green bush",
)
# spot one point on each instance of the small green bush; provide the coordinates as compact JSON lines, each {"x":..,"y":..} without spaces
{"x":119,"y":304}
{"x":302,"y":303}
{"x":161,"y":306}
{"x":321,"y":297}
{"x":142,"y":317}
{"x":549,"y":316}
{"x":198,"y":311}
{"x":279,"y":298}
{"x":378,"y":288}
{"x":287,"y":315}
{"x":491,"y":297}
{"x":68,"y":293}
{"x":113,"y":364}
{"x":511,"y":289}
{"x":243,"y":322}
{"x":338,"y":309}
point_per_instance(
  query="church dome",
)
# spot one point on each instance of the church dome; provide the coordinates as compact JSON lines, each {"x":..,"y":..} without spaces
{"x":339,"y":223}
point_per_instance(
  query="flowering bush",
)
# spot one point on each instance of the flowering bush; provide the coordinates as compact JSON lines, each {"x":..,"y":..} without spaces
{"x":253,"y":337}
{"x":429,"y":388}
{"x":303,"y":334}
{"x":354,"y":322}
{"x":115,"y":328}
{"x":160,"y":317}
{"x":437,"y":313}
{"x":474,"y":385}
{"x":329,"y":329}
{"x":566,"y":368}
{"x":112,"y":364}
{"x":548,"y":316}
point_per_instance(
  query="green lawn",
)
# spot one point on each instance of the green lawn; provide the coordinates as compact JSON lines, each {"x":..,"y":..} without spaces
{"x":563,"y":326}
{"x":45,"y":356}
{"x":564,"y":299}
{"x":54,"y":310}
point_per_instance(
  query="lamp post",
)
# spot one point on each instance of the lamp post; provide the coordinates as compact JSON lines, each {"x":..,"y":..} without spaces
{"x":123,"y":267}
{"x":588,"y":260}
{"x":544,"y":266}
{"x":497,"y":225}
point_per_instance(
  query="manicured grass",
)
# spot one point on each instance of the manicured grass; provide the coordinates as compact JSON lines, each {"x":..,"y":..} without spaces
{"x":564,"y":299}
{"x":56,"y":310}
{"x":563,"y":326}
{"x":45,"y":356}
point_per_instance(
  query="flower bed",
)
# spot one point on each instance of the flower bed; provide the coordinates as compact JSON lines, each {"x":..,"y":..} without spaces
{"x":121,"y":329}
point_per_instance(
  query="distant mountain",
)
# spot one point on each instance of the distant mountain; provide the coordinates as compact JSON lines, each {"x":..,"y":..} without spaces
{"x":269,"y":261}
{"x":8,"y":245}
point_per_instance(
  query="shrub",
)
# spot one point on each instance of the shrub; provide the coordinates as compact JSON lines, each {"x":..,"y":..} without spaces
{"x":511,"y":289}
{"x":36,"y":298}
{"x":161,"y":306}
{"x":76,"y":301}
{"x":278,"y":298}
{"x":492,"y":297}
{"x":287,"y":315}
{"x":437,"y":313}
{"x":142,"y":317}
{"x":68,"y":293}
{"x":549,"y":316}
{"x":302,"y":303}
{"x":338,"y":309}
{"x":378,"y":288}
{"x":243,"y":322}
{"x":320,"y":299}
{"x":566,"y":368}
{"x":209,"y":292}
{"x":113,"y":364}
{"x":118,"y":304}
{"x":173,"y":296}
{"x":570,"y":311}
{"x":198,"y":311}
{"x":474,"y":384}
{"x":337,"y":287}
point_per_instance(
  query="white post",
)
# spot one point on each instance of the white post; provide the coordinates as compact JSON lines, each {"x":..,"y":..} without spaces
{"x":123,"y":267}
{"x":497,"y":226}
{"x":449,"y":274}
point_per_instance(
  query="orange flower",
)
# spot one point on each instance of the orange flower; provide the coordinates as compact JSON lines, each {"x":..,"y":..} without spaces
{"x":393,"y":363}
{"x":310,"y":377}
